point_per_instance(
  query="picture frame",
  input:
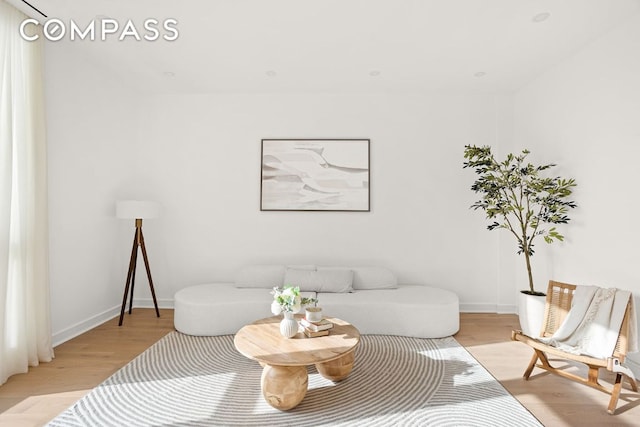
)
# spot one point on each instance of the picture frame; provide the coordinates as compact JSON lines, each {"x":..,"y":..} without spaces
{"x":315,"y":175}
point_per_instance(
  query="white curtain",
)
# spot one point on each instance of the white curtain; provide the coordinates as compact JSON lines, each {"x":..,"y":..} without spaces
{"x":25,"y":326}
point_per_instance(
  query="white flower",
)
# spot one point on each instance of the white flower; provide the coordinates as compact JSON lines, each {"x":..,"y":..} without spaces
{"x":275,"y":308}
{"x":288,"y":300}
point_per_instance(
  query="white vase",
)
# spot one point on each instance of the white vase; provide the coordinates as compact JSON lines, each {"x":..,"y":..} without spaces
{"x":531,"y":313}
{"x":288,"y":325}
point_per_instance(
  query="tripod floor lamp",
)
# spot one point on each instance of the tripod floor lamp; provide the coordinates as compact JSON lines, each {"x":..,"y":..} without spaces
{"x":133,"y":209}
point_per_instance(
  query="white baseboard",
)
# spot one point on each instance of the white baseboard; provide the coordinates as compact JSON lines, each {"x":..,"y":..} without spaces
{"x":488,"y":308}
{"x":477,"y":308}
{"x":148,"y":303}
{"x":82,"y":327}
{"x":93,"y":321}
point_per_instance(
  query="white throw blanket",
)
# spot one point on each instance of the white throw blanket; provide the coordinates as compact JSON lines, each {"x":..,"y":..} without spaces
{"x":592,"y":325}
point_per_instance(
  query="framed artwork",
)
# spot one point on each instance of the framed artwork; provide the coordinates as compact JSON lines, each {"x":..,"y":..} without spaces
{"x":315,"y":175}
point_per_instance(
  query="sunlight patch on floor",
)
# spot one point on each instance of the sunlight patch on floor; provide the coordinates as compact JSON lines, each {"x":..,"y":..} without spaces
{"x":35,"y":410}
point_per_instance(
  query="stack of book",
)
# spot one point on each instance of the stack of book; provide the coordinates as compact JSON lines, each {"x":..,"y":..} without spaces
{"x":316,"y":329}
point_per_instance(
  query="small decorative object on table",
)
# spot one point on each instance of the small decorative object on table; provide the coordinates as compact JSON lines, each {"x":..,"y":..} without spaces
{"x":322,"y":325}
{"x":288,"y":325}
{"x":310,"y":334}
{"x":313,"y":323}
{"x":313,"y":314}
{"x":288,"y":301}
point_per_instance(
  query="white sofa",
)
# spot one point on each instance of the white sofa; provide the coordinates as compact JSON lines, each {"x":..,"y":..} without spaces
{"x":368,"y":297}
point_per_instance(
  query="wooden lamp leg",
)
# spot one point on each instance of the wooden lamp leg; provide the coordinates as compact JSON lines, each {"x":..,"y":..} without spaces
{"x":133,"y":278}
{"x":138,"y":241}
{"x":132,"y":268}
{"x":146,"y":264}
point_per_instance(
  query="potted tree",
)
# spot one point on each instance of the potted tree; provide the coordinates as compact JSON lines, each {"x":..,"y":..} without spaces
{"x":517,"y":198}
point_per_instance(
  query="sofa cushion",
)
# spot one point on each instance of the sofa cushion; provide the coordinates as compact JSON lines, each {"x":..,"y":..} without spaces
{"x":409,"y":310}
{"x":221,"y":308}
{"x":320,"y":280}
{"x":365,"y":278}
{"x":260,"y":276}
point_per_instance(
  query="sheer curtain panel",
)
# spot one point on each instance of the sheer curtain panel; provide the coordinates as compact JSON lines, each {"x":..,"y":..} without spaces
{"x":25,"y":325}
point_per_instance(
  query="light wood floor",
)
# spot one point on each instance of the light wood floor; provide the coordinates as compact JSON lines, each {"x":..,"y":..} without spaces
{"x":82,"y":363}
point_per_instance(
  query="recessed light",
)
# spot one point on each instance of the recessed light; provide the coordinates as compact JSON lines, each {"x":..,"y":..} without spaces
{"x":479,"y":74}
{"x":541,"y":17}
{"x":374,"y":73}
{"x":271,"y":73}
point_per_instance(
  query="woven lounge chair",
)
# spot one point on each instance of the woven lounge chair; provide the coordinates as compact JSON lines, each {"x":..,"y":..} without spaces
{"x":558,"y":304}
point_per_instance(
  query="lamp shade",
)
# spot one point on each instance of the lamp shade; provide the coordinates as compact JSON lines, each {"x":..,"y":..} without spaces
{"x":137,"y":209}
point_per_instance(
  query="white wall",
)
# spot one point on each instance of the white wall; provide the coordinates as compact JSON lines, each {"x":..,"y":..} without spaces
{"x":584,"y":115}
{"x":201,"y":156}
{"x":92,"y":129}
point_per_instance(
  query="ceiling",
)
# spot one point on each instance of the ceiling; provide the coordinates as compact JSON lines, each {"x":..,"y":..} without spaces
{"x":336,"y":46}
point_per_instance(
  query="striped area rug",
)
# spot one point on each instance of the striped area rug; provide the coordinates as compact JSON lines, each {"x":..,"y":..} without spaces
{"x":203,"y":381}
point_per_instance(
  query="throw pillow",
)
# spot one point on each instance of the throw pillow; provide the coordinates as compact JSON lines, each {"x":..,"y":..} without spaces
{"x":321,"y":280}
{"x":373,"y":278}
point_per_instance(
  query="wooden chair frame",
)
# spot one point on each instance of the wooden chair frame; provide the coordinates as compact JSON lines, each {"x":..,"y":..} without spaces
{"x":557,"y":306}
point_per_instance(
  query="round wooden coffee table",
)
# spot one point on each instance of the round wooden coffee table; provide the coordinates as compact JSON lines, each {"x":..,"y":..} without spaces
{"x":284,"y":376}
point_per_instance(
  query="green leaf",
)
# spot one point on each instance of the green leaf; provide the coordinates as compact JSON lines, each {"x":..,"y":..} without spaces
{"x":518,"y":195}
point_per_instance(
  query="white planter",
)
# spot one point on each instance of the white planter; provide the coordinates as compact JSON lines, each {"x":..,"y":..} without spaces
{"x":531,"y":313}
{"x":313,"y":314}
